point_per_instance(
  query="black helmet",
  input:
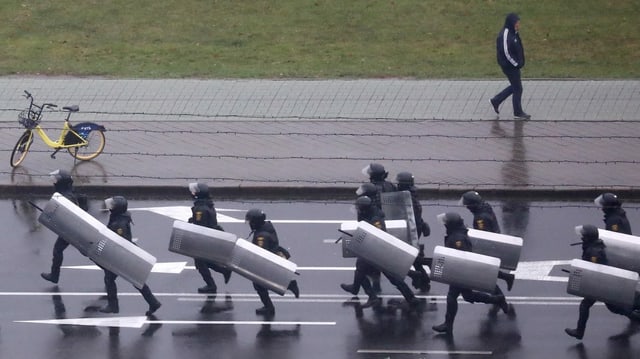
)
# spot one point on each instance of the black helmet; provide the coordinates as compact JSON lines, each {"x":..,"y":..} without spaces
{"x":367,"y":189}
{"x":61,"y":176}
{"x":470,"y":198}
{"x":199,"y":190}
{"x":363,"y":202}
{"x":116,"y":204}
{"x":587,"y":232}
{"x":608,"y":200}
{"x":405,"y":180}
{"x":451,"y":219}
{"x":375,"y":171}
{"x":255,"y":217}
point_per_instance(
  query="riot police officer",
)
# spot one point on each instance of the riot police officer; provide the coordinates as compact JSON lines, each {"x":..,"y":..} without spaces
{"x":203,"y":213}
{"x":378,"y":176}
{"x":456,"y":237}
{"x":120,"y":223}
{"x":484,"y":219}
{"x":420,"y":279}
{"x":265,"y":236}
{"x":593,"y":250}
{"x":63,"y":184}
{"x":368,"y":212}
{"x":615,"y":218}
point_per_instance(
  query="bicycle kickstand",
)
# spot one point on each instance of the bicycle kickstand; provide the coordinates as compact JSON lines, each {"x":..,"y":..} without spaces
{"x":53,"y":155}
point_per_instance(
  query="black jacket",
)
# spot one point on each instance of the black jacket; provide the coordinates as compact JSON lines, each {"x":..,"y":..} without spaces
{"x":594,"y":252}
{"x":203,"y":213}
{"x":484,"y":218}
{"x":615,"y":219}
{"x":266,"y":237}
{"x":510,"y":50}
{"x":121,"y":224}
{"x":457,"y":238}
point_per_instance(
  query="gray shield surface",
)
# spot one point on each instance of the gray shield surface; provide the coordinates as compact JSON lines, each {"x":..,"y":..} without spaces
{"x":502,"y":246}
{"x":202,"y":243}
{"x":465,"y":269}
{"x":394,"y":227}
{"x":398,"y":205}
{"x":604,"y":283}
{"x":381,"y":249}
{"x":623,"y":250}
{"x":262,"y":267}
{"x":94,"y":240}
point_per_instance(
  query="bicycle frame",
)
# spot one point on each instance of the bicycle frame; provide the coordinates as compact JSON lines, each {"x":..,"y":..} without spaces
{"x":59,"y":143}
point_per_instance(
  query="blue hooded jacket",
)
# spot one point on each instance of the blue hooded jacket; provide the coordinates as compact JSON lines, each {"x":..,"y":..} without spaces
{"x":510,"y":51}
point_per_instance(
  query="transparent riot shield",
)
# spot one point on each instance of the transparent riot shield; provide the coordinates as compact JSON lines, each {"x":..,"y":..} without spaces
{"x":398,"y":205}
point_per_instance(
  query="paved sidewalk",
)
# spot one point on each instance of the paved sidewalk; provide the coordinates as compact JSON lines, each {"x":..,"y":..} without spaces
{"x":280,"y":137}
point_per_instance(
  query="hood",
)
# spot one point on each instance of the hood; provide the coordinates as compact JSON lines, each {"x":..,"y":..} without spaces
{"x":510,"y":21}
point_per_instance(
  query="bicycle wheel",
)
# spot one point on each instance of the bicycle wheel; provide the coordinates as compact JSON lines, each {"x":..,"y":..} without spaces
{"x":21,"y":148}
{"x":95,"y":145}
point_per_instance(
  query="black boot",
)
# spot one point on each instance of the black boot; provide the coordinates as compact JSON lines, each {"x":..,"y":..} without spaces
{"x":111,"y":307}
{"x":445,"y":328}
{"x":348,"y":288}
{"x":266,"y":311}
{"x":293,"y":287}
{"x":576,"y":333}
{"x":227,"y":275}
{"x":208,"y":289}
{"x":509,"y":278}
{"x":153,"y":306}
{"x":51,"y":277}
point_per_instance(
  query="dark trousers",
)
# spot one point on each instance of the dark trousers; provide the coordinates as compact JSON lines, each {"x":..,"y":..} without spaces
{"x":112,"y":291}
{"x":58,"y":256}
{"x":203,"y":268}
{"x":364,"y":269}
{"x":263,"y":293}
{"x":514,"y":90}
{"x":470,"y":296}
{"x":585,"y":306}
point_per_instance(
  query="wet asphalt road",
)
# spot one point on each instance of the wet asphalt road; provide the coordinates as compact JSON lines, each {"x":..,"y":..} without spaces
{"x":322,"y":323}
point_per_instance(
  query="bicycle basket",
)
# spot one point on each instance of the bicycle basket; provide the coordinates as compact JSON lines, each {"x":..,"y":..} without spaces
{"x":27,"y":119}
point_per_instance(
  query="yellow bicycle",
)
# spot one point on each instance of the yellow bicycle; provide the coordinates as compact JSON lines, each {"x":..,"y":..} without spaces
{"x":84,"y":141}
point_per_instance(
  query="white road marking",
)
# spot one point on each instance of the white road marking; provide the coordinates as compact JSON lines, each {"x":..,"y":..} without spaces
{"x":138,"y":322}
{"x":432,"y":352}
{"x":534,"y":270}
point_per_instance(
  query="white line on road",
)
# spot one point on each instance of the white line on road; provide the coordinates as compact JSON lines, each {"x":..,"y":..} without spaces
{"x":432,"y":352}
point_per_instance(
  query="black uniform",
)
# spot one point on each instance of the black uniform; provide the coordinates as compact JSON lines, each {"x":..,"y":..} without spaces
{"x":485,"y":219}
{"x":65,"y":188}
{"x":615,"y":219}
{"x":457,"y":238}
{"x":120,"y":223}
{"x":594,"y":250}
{"x":510,"y":56}
{"x":419,"y":277}
{"x":265,"y":237}
{"x":375,"y":217}
{"x":203,"y":213}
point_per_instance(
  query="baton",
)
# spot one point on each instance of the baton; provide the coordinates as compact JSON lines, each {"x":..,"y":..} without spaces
{"x":35,"y":206}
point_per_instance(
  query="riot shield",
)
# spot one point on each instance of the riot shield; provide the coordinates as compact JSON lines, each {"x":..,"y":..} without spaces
{"x":201,"y":242}
{"x":94,"y":240}
{"x":396,"y":228}
{"x":502,"y":246}
{"x":398,"y":205}
{"x":623,"y":250}
{"x":381,"y":249}
{"x":262,"y":267}
{"x":604,"y":283}
{"x":465,"y":269}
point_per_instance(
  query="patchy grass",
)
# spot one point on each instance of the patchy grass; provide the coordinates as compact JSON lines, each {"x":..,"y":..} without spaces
{"x":315,"y":39}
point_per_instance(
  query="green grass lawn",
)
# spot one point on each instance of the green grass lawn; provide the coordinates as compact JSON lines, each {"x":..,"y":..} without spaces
{"x":315,"y":39}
